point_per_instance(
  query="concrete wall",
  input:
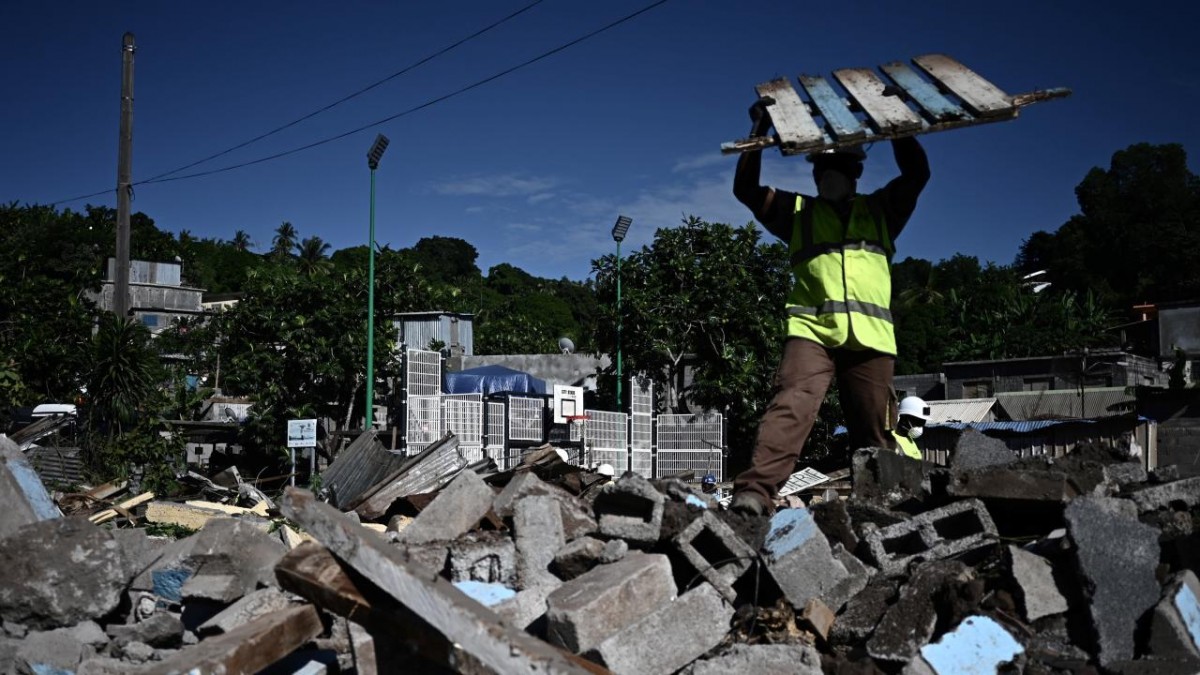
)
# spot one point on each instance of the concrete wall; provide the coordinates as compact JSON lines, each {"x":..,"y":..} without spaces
{"x":566,"y":369}
{"x":1178,"y":415}
{"x":1108,"y":369}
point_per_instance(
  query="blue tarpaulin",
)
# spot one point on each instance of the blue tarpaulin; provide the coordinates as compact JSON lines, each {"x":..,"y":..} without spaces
{"x":491,"y":380}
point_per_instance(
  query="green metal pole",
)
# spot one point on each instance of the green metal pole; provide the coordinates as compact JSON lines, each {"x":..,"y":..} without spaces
{"x":620,"y":320}
{"x":370,"y":409}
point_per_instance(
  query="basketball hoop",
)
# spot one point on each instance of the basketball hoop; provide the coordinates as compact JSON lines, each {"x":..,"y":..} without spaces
{"x":577,"y":421}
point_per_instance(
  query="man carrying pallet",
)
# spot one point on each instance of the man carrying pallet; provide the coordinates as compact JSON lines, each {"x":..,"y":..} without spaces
{"x":838,"y":317}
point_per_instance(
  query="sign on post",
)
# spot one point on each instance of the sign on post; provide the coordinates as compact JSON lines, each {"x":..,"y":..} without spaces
{"x":302,"y":434}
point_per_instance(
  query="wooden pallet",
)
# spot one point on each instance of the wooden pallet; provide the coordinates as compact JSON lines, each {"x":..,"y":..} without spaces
{"x":902,"y":103}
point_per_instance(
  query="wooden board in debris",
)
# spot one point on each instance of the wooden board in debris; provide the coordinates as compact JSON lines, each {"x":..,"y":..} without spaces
{"x":902,"y":102}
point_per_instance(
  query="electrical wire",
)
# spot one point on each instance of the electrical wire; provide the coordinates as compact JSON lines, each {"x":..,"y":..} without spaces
{"x":166,"y":177}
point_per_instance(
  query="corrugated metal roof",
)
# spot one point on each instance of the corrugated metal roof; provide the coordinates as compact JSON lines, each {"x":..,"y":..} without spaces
{"x":359,"y":467}
{"x":1065,"y":403}
{"x":963,"y":410}
{"x":1022,"y":426}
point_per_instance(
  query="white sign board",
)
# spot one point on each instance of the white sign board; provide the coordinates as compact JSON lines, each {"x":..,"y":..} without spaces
{"x":302,"y":434}
{"x":802,"y":480}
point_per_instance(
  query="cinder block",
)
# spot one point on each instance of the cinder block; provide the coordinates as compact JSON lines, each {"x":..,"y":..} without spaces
{"x":976,"y":450}
{"x":878,"y":474}
{"x":589,"y":609}
{"x":537,"y":525}
{"x":1175,"y":628}
{"x":576,"y":516}
{"x":1117,"y":557}
{"x":486,"y":557}
{"x":527,"y":606}
{"x":670,"y":638}
{"x":1185,"y":492}
{"x":908,"y":625}
{"x":1035,"y":577}
{"x":456,"y":509}
{"x":716,"y":552}
{"x":977,"y":645}
{"x":799,"y":558}
{"x":578,"y":557}
{"x":630,"y":509}
{"x":790,"y":659}
{"x":949,"y":531}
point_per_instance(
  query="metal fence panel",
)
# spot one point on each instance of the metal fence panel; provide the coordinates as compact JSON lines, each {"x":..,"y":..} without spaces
{"x":691,"y":443}
{"x":526,"y":418}
{"x":462,"y":415}
{"x":606,"y":438}
{"x":641,"y":435}
{"x":495,"y":429}
{"x":423,"y":373}
{"x":423,"y":423}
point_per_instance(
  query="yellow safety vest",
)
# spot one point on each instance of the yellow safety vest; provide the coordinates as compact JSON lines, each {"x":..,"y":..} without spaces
{"x":907,"y":446}
{"x":843,"y":290}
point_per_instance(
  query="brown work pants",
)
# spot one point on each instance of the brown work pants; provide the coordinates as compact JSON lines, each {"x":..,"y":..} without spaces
{"x":865,"y":387}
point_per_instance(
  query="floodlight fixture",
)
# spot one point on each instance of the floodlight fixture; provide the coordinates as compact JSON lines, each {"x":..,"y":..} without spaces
{"x":376,"y":152}
{"x":621,"y":227}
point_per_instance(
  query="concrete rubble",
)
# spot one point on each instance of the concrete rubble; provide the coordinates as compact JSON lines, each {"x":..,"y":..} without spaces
{"x":907,"y":567}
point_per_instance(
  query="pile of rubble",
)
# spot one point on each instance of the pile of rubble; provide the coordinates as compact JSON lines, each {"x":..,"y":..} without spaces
{"x":994,"y":564}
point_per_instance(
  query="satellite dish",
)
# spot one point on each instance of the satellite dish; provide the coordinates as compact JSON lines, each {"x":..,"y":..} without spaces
{"x":565,"y":344}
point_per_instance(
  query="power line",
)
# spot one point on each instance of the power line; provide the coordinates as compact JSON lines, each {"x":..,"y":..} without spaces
{"x":434,"y":101}
{"x":356,"y":94}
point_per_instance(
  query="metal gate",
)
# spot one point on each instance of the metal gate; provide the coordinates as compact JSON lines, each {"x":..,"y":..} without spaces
{"x":423,"y":422}
{"x":641,"y":433}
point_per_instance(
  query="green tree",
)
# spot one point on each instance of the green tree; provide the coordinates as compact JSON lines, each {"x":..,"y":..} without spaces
{"x":312,"y":254}
{"x":446,"y":259}
{"x":284,"y":240}
{"x":241,"y":241}
{"x":124,"y":377}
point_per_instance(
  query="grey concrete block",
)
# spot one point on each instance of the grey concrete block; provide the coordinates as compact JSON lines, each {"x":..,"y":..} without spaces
{"x":1124,"y":474}
{"x":23,"y":498}
{"x":589,"y":609}
{"x":161,"y":629}
{"x":578,"y":557}
{"x":231,"y":557}
{"x":430,"y":560}
{"x":102,"y":665}
{"x":716,"y":552}
{"x":456,"y":509}
{"x":61,"y":572}
{"x":951,"y":530}
{"x":799,"y":558}
{"x":977,"y":645}
{"x":519,"y":484}
{"x":223,"y":588}
{"x":1035,"y":578}
{"x":245,"y":610}
{"x":577,"y":518}
{"x":537,"y":526}
{"x":52,"y":651}
{"x":858,"y":575}
{"x":788,"y":659}
{"x":89,"y":633}
{"x":976,"y":450}
{"x":863,"y":612}
{"x":630,"y":509}
{"x":1175,"y":626}
{"x":673,"y":636}
{"x":487,"y":557}
{"x":1184,"y":492}
{"x":908,"y":625}
{"x":527,"y":606}
{"x":1117,"y":556}
{"x":879,"y":474}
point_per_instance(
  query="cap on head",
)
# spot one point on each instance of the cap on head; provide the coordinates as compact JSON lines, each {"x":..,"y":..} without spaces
{"x":605,"y":470}
{"x":709,"y":479}
{"x":852,"y":153}
{"x":916,"y":407}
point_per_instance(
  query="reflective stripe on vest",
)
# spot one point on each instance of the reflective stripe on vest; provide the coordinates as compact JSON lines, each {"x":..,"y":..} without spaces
{"x":843,"y":284}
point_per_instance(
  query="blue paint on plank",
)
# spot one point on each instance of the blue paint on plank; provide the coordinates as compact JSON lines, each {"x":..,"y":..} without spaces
{"x":488,"y":595}
{"x":31,"y":487}
{"x":976,"y":647}
{"x":168,"y":583}
{"x":939,"y":107}
{"x":47,"y":669}
{"x":842,"y":122}
{"x":790,"y":529}
{"x":1189,"y":610}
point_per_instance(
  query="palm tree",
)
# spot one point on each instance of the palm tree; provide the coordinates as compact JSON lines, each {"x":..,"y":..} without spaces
{"x":285,"y":239}
{"x":313,"y":255}
{"x":241,"y":241}
{"x":123,"y":374}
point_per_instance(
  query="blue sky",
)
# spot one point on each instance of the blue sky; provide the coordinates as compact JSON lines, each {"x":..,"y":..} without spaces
{"x":534,"y":167}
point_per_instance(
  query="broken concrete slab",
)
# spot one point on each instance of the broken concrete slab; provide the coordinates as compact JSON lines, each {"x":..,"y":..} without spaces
{"x":527,"y":607}
{"x":1175,"y":626}
{"x":485,"y":557}
{"x":1039,"y":594}
{"x":786,"y":659}
{"x":951,"y":530}
{"x":716,"y":552}
{"x":976,"y":450}
{"x":1027,"y":485}
{"x":858,"y":575}
{"x":578,"y":557}
{"x":1184,"y":493}
{"x":161,"y":629}
{"x":79,"y":573}
{"x":23,"y":498}
{"x":245,"y":610}
{"x":1117,"y":556}
{"x":799,"y":558}
{"x":671,"y":637}
{"x":55,"y":651}
{"x":1125,"y":474}
{"x":576,"y":518}
{"x":453,"y":512}
{"x":537,"y":525}
{"x":630,"y":509}
{"x":883,"y":475}
{"x":248,"y":648}
{"x":908,"y":625}
{"x":589,"y":609}
{"x":474,"y":629}
{"x":230,"y":558}
{"x":977,"y":645}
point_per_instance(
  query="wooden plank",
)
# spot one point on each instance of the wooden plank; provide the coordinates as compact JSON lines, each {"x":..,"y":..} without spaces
{"x":889,"y":114}
{"x":248,"y":648}
{"x":259,"y":509}
{"x":937,"y":107}
{"x":980,"y":96}
{"x":108,"y":514}
{"x":476,"y":629}
{"x":842,"y":123}
{"x":312,"y":572}
{"x":795,"y":127}
{"x":192,"y":517}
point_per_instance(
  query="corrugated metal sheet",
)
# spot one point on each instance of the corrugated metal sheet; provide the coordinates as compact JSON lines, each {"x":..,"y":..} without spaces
{"x":57,"y":466}
{"x":1020,"y":426}
{"x":417,"y":331}
{"x":963,"y":410}
{"x":359,"y":468}
{"x":1065,"y":403}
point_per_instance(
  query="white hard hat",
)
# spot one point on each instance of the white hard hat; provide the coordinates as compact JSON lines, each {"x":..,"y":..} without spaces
{"x":606,"y":470}
{"x":562,"y":454}
{"x":915,"y":406}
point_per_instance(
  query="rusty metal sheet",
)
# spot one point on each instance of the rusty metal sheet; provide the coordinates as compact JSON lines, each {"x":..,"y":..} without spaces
{"x":887,"y":110}
{"x":794,"y":125}
{"x":842,"y":123}
{"x":937,"y":107}
{"x":980,"y":96}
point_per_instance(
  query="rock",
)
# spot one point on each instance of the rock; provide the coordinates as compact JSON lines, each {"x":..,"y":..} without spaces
{"x":785,"y":659}
{"x":1035,"y":577}
{"x":55,"y":649}
{"x":455,"y":510}
{"x":671,"y":637}
{"x":161,"y":629}
{"x":587,"y":610}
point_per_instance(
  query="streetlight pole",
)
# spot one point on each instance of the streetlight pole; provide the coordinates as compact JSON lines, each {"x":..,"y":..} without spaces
{"x":618,"y":234}
{"x":373,"y":157}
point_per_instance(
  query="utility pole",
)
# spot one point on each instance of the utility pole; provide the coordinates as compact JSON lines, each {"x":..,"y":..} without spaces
{"x":124,"y":181}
